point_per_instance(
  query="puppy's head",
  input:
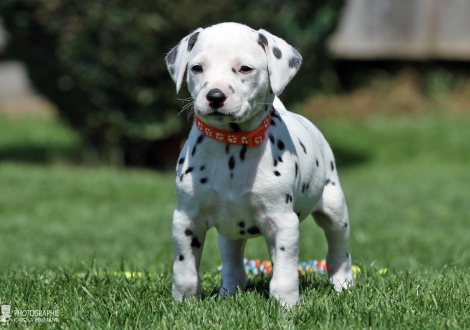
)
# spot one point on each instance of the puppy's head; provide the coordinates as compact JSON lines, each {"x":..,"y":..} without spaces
{"x":233,"y":71}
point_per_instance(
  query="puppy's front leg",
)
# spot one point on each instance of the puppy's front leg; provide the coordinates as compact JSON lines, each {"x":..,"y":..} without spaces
{"x":282,"y":237}
{"x":188,"y":240}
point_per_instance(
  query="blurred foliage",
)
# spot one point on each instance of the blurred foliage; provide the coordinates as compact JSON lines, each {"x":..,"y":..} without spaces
{"x":101,"y":62}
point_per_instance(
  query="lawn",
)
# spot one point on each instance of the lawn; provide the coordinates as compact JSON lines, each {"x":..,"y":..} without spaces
{"x":69,"y":235}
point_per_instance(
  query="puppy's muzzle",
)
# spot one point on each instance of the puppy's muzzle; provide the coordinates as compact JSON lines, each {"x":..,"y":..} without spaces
{"x":216,"y":98}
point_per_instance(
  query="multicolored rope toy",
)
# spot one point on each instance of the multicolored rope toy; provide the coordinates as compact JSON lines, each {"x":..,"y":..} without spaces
{"x":255,"y":267}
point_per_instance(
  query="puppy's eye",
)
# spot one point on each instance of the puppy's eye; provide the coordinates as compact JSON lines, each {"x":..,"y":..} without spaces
{"x":245,"y":69}
{"x":196,"y":68}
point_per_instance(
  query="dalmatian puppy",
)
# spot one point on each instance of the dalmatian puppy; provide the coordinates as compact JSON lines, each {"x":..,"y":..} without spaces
{"x":249,"y":166}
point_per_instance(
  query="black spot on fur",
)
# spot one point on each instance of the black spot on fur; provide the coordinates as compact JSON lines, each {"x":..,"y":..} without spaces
{"x":295,"y":62}
{"x":192,"y":40}
{"x":275,"y":162}
{"x":181,"y":160}
{"x":241,"y":224}
{"x":195,"y":243}
{"x":231,"y":175}
{"x":254,"y":230}
{"x":231,"y":163}
{"x":271,"y":91}
{"x":198,"y":141}
{"x":289,"y":198}
{"x":188,"y":232}
{"x":235,"y":127}
{"x":276,"y":173}
{"x":273,"y":123}
{"x":243,"y":152}
{"x":276,"y":115}
{"x":280,"y":159}
{"x":172,"y":70}
{"x":202,"y":168}
{"x":227,"y":148}
{"x":307,"y":186}
{"x":230,"y":88}
{"x":298,"y":214}
{"x":242,"y":232}
{"x":327,"y":182}
{"x":181,"y":177}
{"x":280,"y":145}
{"x":234,"y":71}
{"x":303,"y":188}
{"x":303,"y":147}
{"x":205,"y":84}
{"x":346,"y":225}
{"x":277,"y":53}
{"x":262,"y":39}
{"x":171,"y":56}
{"x":271,"y":138}
{"x":181,"y":257}
{"x":266,"y":108}
{"x":282,"y":248}
{"x":296,"y":169}
{"x":347,"y":255}
{"x":318,"y":164}
{"x":189,"y":170}
{"x":203,"y":180}
{"x":332,"y":164}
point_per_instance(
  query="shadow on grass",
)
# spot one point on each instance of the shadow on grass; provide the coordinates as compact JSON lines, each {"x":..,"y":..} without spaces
{"x":348,"y":158}
{"x":39,"y":154}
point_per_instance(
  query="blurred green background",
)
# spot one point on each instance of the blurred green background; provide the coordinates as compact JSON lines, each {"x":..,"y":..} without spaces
{"x":101,"y":63}
{"x":78,"y":181}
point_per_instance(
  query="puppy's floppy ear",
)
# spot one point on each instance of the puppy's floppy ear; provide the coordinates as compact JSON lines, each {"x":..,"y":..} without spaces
{"x":283,"y":60}
{"x":177,"y":58}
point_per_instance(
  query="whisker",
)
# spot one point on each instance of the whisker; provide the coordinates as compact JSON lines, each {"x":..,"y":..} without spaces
{"x":189,"y":99}
{"x":190,"y":113}
{"x":186,"y":107}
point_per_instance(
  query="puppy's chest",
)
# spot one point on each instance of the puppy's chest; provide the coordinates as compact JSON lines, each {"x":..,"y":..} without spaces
{"x":219,"y":181}
{"x":214,"y":173}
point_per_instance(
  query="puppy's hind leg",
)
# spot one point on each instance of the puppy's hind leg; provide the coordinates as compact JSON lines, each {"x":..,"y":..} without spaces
{"x":331,"y":214}
{"x":233,"y":271}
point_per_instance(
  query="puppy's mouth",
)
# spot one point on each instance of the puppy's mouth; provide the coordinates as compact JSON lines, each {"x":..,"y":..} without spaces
{"x":216,"y":113}
{"x":217,"y":116}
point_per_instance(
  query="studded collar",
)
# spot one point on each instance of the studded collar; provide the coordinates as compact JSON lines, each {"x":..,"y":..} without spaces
{"x":251,"y":138}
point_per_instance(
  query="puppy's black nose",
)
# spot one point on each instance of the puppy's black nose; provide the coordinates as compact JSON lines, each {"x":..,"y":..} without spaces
{"x":216,"y":98}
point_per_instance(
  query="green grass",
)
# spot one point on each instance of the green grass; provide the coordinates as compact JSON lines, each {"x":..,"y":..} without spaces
{"x":66,"y":233}
{"x":37,"y":140}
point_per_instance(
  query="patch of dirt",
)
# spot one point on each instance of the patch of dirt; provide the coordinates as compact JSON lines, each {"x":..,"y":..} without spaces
{"x":28,"y":105}
{"x":400,"y":95}
{"x":460,"y":98}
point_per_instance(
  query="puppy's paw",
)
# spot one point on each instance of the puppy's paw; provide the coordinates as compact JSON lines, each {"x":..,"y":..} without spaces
{"x":233,"y":281}
{"x":286,"y":293}
{"x":340,"y":272}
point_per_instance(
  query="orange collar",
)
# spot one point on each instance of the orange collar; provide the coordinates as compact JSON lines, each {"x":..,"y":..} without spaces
{"x":252,"y":138}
